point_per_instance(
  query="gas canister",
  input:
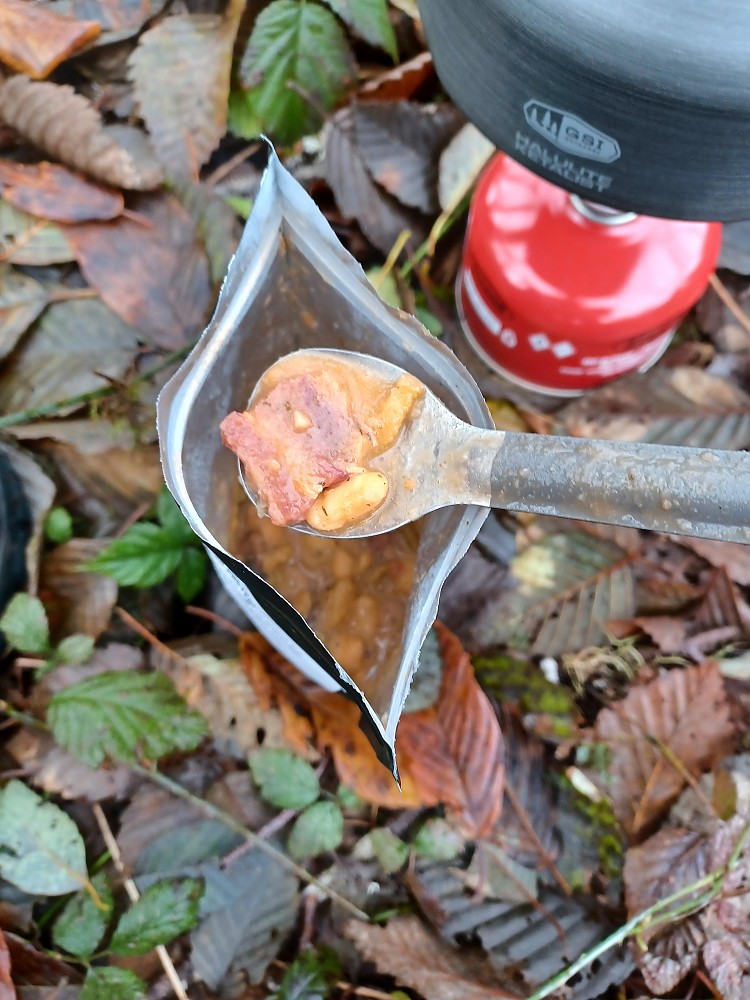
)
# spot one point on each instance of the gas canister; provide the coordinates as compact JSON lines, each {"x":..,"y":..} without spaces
{"x":561,"y":294}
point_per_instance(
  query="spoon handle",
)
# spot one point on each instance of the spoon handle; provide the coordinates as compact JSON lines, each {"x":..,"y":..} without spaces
{"x":687,"y":491}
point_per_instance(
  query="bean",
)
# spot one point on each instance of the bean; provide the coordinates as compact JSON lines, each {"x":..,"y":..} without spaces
{"x":348,"y":502}
{"x":343,"y":562}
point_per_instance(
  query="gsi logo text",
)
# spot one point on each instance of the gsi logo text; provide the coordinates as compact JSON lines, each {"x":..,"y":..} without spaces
{"x":571,"y":133}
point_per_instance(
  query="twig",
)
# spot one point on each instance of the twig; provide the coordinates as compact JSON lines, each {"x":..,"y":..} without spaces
{"x":209,"y":809}
{"x":225,"y":169}
{"x":659,"y":913}
{"x":390,"y":262}
{"x":132,"y":890}
{"x":149,"y":637}
{"x":546,"y":857}
{"x":729,"y":301}
{"x":211,"y":616}
{"x":271,"y":827}
{"x":71,"y":294}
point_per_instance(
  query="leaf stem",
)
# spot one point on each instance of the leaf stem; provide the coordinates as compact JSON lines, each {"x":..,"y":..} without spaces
{"x":658,"y":913}
{"x":209,"y":809}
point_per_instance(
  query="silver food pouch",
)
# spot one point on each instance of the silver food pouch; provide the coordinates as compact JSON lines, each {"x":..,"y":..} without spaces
{"x":292,"y":285}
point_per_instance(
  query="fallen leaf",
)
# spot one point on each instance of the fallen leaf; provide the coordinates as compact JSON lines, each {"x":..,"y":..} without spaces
{"x":454,"y":752}
{"x":22,"y":299}
{"x":680,"y":406}
{"x":164,"y":291}
{"x":401,"y":82}
{"x":7,"y":989}
{"x":185,"y":113}
{"x":380,"y":216}
{"x":54,"y":192}
{"x":88,"y":436}
{"x":75,"y":347}
{"x":678,"y":724}
{"x":31,"y":966}
{"x":461,"y":163}
{"x":369,"y":20}
{"x":76,"y":601}
{"x":732,"y":556}
{"x":215,"y":223}
{"x":27,"y":240}
{"x":35,"y":40}
{"x":568,"y":586}
{"x":119,"y":19}
{"x":66,"y":126}
{"x":406,"y":950}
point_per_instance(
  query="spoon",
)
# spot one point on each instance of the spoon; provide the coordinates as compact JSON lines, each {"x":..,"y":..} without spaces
{"x":440,"y":460}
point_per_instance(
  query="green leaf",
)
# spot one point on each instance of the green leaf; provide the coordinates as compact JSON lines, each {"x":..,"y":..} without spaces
{"x":24,"y":623}
{"x":144,"y":556}
{"x":41,"y":848}
{"x":76,"y":648}
{"x":172,"y":519}
{"x":285,"y":780}
{"x":241,"y":206}
{"x":392,"y":853}
{"x":319,"y":828}
{"x":310,"y":976}
{"x":191,"y":574}
{"x":368,"y":19}
{"x":295,"y":48}
{"x":58,"y":525}
{"x":82,"y":923}
{"x":111,"y":983}
{"x":124,"y":716}
{"x":438,"y":840}
{"x":165,"y":910}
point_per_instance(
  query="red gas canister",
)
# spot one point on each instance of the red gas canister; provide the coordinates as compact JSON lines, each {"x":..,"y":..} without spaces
{"x":561,"y":294}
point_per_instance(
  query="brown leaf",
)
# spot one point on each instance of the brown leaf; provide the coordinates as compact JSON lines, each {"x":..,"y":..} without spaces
{"x":381,"y":218}
{"x":677,"y":724}
{"x":399,"y":83}
{"x":732,"y":556}
{"x":54,"y":192}
{"x":21,"y":300}
{"x":682,"y":406}
{"x":35,"y":40}
{"x":185,"y":113}
{"x":66,"y":126}
{"x":27,"y":240}
{"x":7,"y":989}
{"x":119,"y":19}
{"x":406,"y":950}
{"x":34,"y":967}
{"x":151,"y":271}
{"x":400,"y":144}
{"x":76,"y":601}
{"x":455,"y":750}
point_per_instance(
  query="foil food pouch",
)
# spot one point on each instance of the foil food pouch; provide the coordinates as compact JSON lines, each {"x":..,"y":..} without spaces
{"x":292,"y":285}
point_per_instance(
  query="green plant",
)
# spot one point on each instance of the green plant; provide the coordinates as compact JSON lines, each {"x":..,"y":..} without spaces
{"x":25,"y":626}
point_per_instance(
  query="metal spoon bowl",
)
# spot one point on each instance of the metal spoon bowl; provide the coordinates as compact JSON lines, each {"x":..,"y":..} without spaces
{"x":439,"y":460}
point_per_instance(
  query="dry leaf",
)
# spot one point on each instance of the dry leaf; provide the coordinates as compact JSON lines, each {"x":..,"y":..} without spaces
{"x":400,"y":143}
{"x":454,"y":752}
{"x":54,"y":192}
{"x":151,"y":271}
{"x":381,"y":218}
{"x":22,"y":299}
{"x":66,"y":126}
{"x":75,"y":601}
{"x":399,"y":83}
{"x":461,"y":163}
{"x":35,"y":40}
{"x":25,"y":239}
{"x":734,"y":557}
{"x":185,"y":112}
{"x":678,"y":724}
{"x":406,"y":950}
{"x":119,"y":19}
{"x":681,"y":406}
{"x":7,"y":989}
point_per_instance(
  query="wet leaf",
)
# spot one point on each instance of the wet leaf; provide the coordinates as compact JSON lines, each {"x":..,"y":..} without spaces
{"x":310,"y":976}
{"x":41,"y":848}
{"x":368,"y":19}
{"x":297,"y":59}
{"x":245,"y":933}
{"x":215,"y":223}
{"x":285,"y":780}
{"x":461,"y":163}
{"x":68,"y":128}
{"x":62,"y":358}
{"x":111,"y":983}
{"x":681,"y":406}
{"x":185,"y":114}
{"x":399,"y":83}
{"x":165,"y":910}
{"x":22,"y":299}
{"x":732,"y":556}
{"x":406,"y":950}
{"x":318,"y":829}
{"x":54,"y":192}
{"x":381,"y":218}
{"x":678,"y":724}
{"x":454,"y":752}
{"x":568,"y":586}
{"x":35,"y":40}
{"x":27,"y":240}
{"x":82,"y":923}
{"x":437,"y":840}
{"x":78,"y":602}
{"x":164,"y":291}
{"x":119,"y":19}
{"x":400,"y":142}
{"x":123,"y":716}
{"x":7,"y":989}
{"x":24,"y":624}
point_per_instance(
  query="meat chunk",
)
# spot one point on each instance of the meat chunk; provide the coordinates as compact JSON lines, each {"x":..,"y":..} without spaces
{"x":300,"y":438}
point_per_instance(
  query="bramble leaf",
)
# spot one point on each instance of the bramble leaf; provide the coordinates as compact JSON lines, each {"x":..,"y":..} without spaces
{"x":111,"y":983}
{"x":368,"y":19}
{"x":24,"y":624}
{"x":165,"y":910}
{"x":82,"y":923}
{"x":285,"y":780}
{"x":319,"y":828}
